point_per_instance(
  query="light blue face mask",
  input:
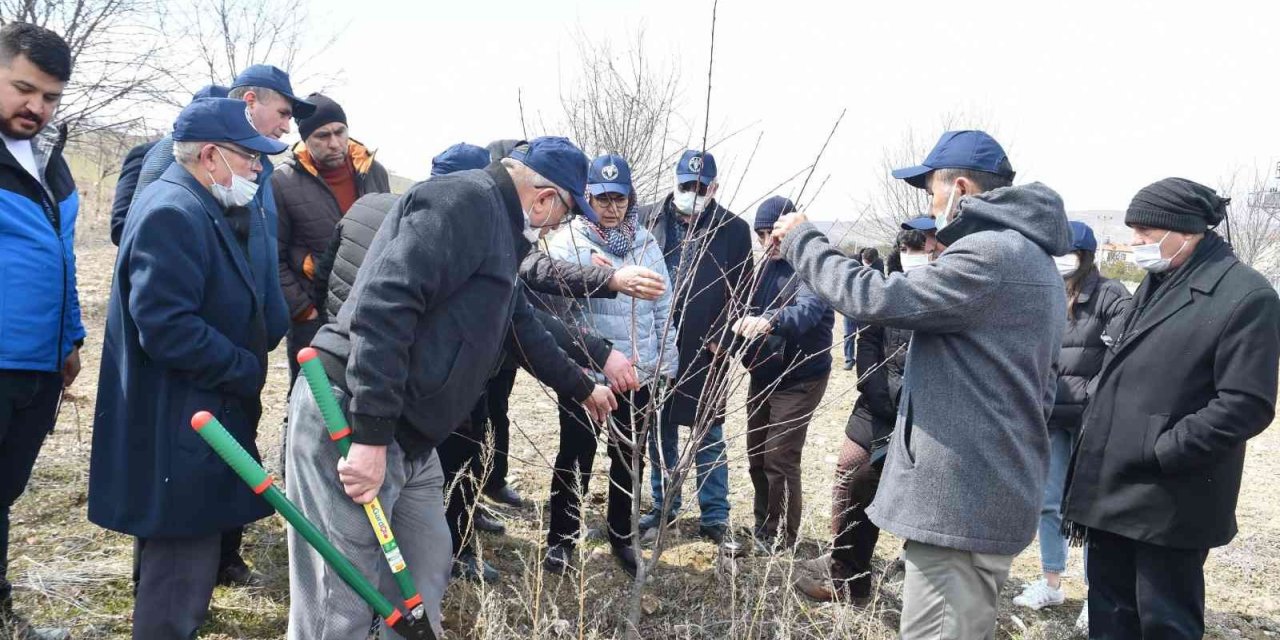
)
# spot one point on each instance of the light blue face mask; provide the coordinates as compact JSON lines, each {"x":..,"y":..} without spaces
{"x":944,"y":218}
{"x":239,"y":194}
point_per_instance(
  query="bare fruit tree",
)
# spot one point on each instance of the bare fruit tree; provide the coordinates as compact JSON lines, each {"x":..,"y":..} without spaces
{"x":120,"y":57}
{"x":230,"y":35}
{"x":622,"y":103}
{"x":1253,"y":219}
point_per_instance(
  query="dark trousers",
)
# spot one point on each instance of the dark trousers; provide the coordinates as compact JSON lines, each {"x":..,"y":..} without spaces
{"x":854,"y":535}
{"x":498,"y":397}
{"x":28,"y":410}
{"x":300,"y":336}
{"x":176,"y":577}
{"x":778,"y":418}
{"x":458,"y":454}
{"x":1140,"y":590}
{"x":572,"y":475}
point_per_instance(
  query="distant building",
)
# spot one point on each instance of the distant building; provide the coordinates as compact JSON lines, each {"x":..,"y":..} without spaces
{"x":1115,"y":252}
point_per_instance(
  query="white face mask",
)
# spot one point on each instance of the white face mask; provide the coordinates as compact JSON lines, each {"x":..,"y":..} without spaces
{"x":239,"y":194}
{"x":688,"y":202}
{"x":1148,"y":256}
{"x":944,"y":218}
{"x":913,"y":261}
{"x":1067,"y":264}
{"x":530,"y":233}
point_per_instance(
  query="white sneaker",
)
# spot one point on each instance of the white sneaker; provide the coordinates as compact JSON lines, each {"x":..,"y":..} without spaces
{"x":1082,"y":620}
{"x":1039,"y":595}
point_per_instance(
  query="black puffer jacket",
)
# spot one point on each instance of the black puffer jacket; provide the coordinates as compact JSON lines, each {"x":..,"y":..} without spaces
{"x":1083,"y":349}
{"x":881,"y":363}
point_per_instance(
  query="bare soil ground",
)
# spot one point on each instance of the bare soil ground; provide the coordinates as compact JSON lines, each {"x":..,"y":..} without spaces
{"x":71,"y":573}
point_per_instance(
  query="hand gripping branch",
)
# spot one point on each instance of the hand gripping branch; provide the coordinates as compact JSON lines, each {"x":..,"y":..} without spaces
{"x":264,"y":485}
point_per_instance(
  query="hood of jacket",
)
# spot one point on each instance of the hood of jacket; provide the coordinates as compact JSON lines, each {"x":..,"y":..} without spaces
{"x":360,"y":156}
{"x":1033,"y":210}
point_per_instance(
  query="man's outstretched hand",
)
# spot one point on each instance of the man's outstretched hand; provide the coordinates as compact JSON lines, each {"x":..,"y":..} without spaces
{"x":638,"y":282}
{"x":620,"y":373}
{"x":600,"y":404}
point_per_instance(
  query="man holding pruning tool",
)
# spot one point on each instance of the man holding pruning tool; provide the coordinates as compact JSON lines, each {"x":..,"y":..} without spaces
{"x":408,"y":357}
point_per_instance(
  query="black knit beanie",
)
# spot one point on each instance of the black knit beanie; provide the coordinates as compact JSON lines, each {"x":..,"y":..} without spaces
{"x":1177,"y":204}
{"x":327,"y":112}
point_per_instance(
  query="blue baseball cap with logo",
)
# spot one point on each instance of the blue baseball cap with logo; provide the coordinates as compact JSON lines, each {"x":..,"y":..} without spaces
{"x":275,"y":79}
{"x":923,"y":223}
{"x":609,"y":174}
{"x":1082,"y":238}
{"x":459,"y":157}
{"x":696,"y":165}
{"x":959,"y":150}
{"x":564,"y":164}
{"x":222,"y":120}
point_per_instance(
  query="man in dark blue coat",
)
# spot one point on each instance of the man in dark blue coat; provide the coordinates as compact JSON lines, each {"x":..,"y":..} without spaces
{"x":186,"y":331}
{"x":789,"y":358}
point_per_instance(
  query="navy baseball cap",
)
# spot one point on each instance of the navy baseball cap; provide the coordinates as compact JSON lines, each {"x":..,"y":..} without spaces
{"x":923,"y":223}
{"x":210,"y":91}
{"x":609,"y":174}
{"x":696,"y":165}
{"x":269,"y":77}
{"x":561,"y":162}
{"x":222,"y":120}
{"x":960,"y":150}
{"x":1082,"y":238}
{"x":459,"y":157}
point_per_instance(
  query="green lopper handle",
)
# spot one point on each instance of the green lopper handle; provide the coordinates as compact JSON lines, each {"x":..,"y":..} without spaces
{"x":335,"y":421}
{"x":253,"y":474}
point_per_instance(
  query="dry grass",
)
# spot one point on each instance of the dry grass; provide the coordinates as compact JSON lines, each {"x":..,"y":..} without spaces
{"x":72,"y":573}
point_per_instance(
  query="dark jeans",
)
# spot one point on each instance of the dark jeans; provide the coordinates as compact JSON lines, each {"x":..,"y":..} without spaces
{"x":778,"y":419}
{"x":458,"y":454}
{"x":850,"y":335}
{"x":300,"y":336}
{"x":28,"y":410}
{"x":175,"y":582}
{"x":572,"y":473}
{"x":1140,"y":590}
{"x":498,"y":397}
{"x":855,"y":536}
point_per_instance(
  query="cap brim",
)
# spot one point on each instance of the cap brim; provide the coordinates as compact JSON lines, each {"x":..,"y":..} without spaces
{"x":584,"y":208}
{"x":920,"y":224}
{"x":914,"y":176}
{"x":262,"y":144}
{"x":609,"y":187}
{"x":690,"y":177}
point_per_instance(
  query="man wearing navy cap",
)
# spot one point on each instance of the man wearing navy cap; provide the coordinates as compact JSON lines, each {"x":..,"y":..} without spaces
{"x":929,"y":227}
{"x":186,"y":331}
{"x":708,"y":254}
{"x":964,"y":477}
{"x":409,"y":354}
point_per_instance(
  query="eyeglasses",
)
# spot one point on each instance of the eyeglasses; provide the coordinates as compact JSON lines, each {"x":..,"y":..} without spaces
{"x":691,"y":185}
{"x":617,"y":202}
{"x":251,"y":157}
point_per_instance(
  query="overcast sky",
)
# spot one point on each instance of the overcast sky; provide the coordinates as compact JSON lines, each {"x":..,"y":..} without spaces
{"x":1096,"y":99}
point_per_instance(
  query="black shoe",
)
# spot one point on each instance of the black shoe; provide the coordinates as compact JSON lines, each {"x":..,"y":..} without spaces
{"x":558,"y":558}
{"x":848,"y":366}
{"x":239,"y":574}
{"x":626,"y":557}
{"x":482,"y":521}
{"x":506,"y":496}
{"x":469,"y":567}
{"x":716,"y":533}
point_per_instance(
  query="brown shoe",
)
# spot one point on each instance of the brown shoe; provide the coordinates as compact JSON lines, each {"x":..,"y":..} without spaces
{"x":819,"y":567}
{"x":820,"y":589}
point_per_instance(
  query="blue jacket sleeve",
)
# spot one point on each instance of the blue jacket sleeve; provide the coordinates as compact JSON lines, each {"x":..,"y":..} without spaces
{"x":125,"y":186}
{"x":799,"y":315}
{"x":77,"y":331}
{"x":166,"y":267}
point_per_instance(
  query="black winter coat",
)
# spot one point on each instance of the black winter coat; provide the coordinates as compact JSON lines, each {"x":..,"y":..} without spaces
{"x":1100,"y":301}
{"x":881,"y":363}
{"x":712,"y":289}
{"x":126,"y":185}
{"x":1190,"y":377}
{"x":308,"y":212}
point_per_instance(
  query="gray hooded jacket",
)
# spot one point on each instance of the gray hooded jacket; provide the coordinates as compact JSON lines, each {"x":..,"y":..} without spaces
{"x":967,"y":464}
